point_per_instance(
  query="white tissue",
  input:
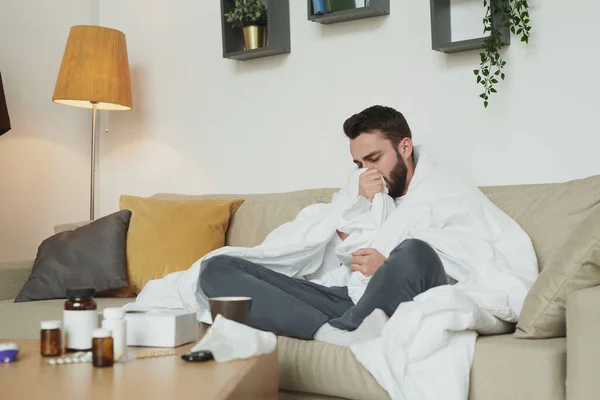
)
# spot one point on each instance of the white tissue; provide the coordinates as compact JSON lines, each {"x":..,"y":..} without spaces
{"x":229,"y":340}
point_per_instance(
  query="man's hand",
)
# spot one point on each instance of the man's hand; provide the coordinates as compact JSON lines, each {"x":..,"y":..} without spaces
{"x":370,"y":183}
{"x":367,"y":261}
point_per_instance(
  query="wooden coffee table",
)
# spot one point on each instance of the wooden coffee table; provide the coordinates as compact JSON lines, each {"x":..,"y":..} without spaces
{"x":152,"y":378}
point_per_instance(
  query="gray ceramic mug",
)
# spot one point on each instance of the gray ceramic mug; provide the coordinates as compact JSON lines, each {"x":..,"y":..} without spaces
{"x":234,"y":308}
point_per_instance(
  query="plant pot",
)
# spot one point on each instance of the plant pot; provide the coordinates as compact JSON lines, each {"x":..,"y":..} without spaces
{"x":254,"y":36}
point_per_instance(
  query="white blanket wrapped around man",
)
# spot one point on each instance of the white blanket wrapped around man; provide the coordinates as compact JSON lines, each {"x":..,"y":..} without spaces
{"x":432,"y":338}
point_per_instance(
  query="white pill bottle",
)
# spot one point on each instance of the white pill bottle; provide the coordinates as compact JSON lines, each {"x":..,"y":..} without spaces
{"x":114,"y":320}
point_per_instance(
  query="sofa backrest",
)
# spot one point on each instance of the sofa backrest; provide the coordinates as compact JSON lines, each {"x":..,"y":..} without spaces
{"x":547,"y":212}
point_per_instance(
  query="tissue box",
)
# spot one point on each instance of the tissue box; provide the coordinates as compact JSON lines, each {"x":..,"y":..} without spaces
{"x":161,"y":328}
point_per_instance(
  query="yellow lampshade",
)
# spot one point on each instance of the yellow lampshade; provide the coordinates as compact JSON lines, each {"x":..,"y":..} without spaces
{"x":94,"y":69}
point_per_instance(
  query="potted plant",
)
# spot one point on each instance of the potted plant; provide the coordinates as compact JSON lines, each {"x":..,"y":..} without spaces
{"x":251,"y":16}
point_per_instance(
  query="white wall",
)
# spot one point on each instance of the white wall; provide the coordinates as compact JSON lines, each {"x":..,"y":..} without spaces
{"x":204,"y":124}
{"x":44,"y":158}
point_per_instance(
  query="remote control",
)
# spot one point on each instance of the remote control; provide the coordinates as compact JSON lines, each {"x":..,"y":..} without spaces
{"x":197,"y":356}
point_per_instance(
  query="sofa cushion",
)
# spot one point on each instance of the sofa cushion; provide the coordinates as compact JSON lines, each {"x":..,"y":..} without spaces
{"x":22,"y":320}
{"x":548,"y":212}
{"x":503,"y":368}
{"x":262,"y":213}
{"x":325,"y":369}
{"x":576,"y":266}
{"x":518,"y":369}
{"x":89,"y":256}
{"x":169,"y":235}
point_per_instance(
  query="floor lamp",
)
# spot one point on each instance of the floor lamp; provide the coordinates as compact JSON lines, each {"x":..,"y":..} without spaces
{"x":94,"y":73}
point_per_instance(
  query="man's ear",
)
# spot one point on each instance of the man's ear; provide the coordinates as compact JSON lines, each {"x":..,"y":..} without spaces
{"x":405,"y":148}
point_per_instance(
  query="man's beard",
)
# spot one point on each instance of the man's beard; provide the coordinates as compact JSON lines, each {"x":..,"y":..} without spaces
{"x":398,"y":176}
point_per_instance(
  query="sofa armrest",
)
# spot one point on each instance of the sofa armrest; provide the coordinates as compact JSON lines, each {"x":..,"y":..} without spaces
{"x":13,"y":276}
{"x":583,"y":344}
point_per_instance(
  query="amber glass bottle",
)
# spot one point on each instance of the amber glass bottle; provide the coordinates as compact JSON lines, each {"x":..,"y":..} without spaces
{"x":102,"y":348}
{"x":50,"y":339}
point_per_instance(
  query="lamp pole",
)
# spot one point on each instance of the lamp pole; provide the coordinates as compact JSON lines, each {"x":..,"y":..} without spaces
{"x":93,"y":169}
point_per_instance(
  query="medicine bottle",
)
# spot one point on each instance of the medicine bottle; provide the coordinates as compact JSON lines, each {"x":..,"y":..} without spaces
{"x":102,"y":348}
{"x":114,"y":319}
{"x":80,"y":318}
{"x":50,"y":339}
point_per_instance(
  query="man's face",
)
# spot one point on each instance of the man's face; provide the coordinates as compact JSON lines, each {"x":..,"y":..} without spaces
{"x":373,"y":151}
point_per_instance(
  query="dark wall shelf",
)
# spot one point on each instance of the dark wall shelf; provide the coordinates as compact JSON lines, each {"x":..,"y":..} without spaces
{"x":441,"y":30}
{"x":376,"y":8}
{"x":278,"y":32}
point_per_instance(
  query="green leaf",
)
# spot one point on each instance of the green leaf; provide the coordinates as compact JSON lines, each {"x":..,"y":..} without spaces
{"x":507,"y":24}
{"x":493,"y":90}
{"x":502,"y":76}
{"x":475,"y":71}
{"x":494,"y":81}
{"x":485,"y":104}
{"x":478,"y":79}
{"x":486,"y":72}
{"x":497,"y":72}
{"x":482,"y":95}
{"x":512,"y":29}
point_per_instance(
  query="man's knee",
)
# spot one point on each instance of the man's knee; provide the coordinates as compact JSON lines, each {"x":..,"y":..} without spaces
{"x":416,"y":257}
{"x":412,"y":246}
{"x":214,"y":269}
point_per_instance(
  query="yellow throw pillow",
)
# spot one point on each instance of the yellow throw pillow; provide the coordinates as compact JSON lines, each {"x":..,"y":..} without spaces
{"x":167,"y":236}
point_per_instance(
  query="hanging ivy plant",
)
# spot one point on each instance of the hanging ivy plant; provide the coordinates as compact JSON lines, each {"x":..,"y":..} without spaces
{"x":513,"y":14}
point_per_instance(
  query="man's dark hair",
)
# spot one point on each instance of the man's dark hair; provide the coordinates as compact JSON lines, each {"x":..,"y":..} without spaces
{"x":385,"y":119}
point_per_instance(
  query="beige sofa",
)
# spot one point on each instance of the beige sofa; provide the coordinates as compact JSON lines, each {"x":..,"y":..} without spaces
{"x":504,"y":367}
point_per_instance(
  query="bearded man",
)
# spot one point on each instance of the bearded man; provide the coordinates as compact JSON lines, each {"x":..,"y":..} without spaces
{"x":381,"y":143}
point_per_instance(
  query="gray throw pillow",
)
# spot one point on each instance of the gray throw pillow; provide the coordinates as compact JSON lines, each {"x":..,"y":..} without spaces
{"x":92,"y":256}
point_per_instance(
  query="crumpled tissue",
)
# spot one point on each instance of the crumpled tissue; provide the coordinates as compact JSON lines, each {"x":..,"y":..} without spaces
{"x":229,"y":340}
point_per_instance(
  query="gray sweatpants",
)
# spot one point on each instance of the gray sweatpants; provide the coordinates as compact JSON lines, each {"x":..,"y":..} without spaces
{"x":297,"y":308}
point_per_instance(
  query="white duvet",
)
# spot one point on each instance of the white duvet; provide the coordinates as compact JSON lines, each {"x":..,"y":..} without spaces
{"x":427,"y":346}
